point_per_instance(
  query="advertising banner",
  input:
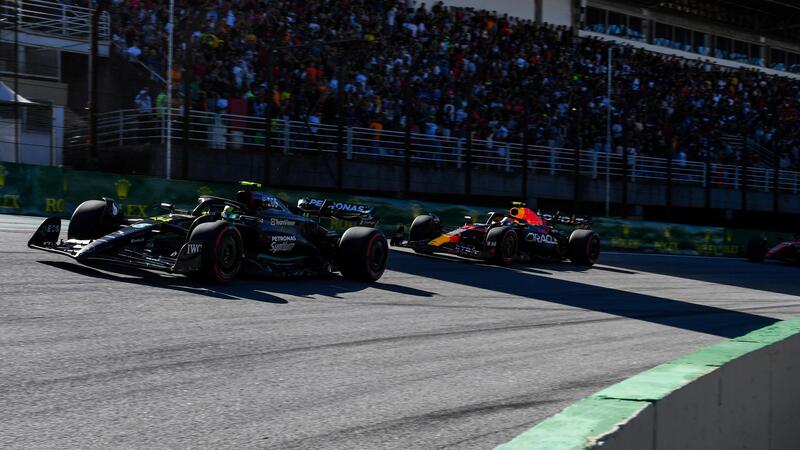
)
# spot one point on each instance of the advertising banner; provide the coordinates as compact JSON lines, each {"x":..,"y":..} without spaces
{"x":44,"y":191}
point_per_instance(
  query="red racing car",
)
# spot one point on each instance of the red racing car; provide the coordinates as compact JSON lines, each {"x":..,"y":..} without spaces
{"x":788,"y":251}
{"x":518,"y":235}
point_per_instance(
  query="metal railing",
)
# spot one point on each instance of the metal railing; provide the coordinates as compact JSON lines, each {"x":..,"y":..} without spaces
{"x":227,"y":131}
{"x":52,"y":18}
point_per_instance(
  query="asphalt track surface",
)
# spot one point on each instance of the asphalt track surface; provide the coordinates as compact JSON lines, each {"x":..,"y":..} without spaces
{"x":438,"y":354}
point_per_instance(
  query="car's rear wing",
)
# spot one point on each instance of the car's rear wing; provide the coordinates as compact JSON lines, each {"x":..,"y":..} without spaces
{"x":565,"y":219}
{"x":361,"y":214}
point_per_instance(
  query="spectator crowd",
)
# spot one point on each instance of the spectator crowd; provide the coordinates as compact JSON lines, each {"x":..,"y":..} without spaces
{"x":446,"y":72}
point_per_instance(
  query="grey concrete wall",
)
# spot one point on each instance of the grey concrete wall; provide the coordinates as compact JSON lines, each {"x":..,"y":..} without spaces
{"x":751,"y":402}
{"x":307,"y":170}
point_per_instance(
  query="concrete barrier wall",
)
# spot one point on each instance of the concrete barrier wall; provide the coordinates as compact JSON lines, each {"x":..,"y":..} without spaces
{"x":43,"y":190}
{"x":740,"y":394}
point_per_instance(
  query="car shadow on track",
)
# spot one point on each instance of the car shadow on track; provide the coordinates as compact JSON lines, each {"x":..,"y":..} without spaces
{"x":254,"y":289}
{"x":525,"y":281}
{"x":770,"y":276}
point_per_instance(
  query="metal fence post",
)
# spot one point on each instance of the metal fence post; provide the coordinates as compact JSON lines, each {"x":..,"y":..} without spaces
{"x":707,"y":178}
{"x":525,"y":156}
{"x":744,"y":184}
{"x":407,"y":156}
{"x":349,"y":146}
{"x":268,"y":115}
{"x":625,"y":175}
{"x":776,"y":184}
{"x":121,"y":127}
{"x":459,"y":152}
{"x":287,"y":135}
{"x":669,"y":179}
{"x":468,"y":169}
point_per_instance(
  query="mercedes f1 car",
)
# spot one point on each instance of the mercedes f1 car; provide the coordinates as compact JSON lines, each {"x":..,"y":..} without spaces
{"x":257,"y":233}
{"x":520,"y":235}
{"x":758,"y":250}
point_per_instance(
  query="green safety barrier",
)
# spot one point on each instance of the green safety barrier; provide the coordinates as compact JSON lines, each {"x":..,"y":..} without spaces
{"x":44,"y":190}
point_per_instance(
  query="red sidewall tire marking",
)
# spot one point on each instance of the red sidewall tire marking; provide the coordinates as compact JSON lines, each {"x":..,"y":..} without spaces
{"x":220,"y":277}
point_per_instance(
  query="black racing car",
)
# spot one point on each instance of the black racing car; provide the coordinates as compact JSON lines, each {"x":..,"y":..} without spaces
{"x":521,"y":235}
{"x":257,"y":233}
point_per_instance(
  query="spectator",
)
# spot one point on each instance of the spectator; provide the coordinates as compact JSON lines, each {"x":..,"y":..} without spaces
{"x":435,"y":68}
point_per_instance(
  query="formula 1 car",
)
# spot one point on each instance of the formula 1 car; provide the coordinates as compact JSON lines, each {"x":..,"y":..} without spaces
{"x":520,"y":235}
{"x":257,"y":233}
{"x":758,"y":250}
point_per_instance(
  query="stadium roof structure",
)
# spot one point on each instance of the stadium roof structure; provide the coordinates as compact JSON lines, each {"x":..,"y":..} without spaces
{"x":777,"y":18}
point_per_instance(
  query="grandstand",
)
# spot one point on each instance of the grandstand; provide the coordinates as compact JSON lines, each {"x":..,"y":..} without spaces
{"x":704,"y":97}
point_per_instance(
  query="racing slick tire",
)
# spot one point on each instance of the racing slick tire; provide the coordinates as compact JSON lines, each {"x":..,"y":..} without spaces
{"x":93,"y":219}
{"x":756,"y":249}
{"x":223,"y":251}
{"x":362,"y":254}
{"x":421,"y":230}
{"x":584,"y":247}
{"x":506,"y":247}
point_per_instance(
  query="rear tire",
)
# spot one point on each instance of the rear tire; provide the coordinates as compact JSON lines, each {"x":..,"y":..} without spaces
{"x":756,"y":249}
{"x":507,"y":245}
{"x":223,"y":251}
{"x":584,"y":247}
{"x":362,"y":254}
{"x":93,"y":219}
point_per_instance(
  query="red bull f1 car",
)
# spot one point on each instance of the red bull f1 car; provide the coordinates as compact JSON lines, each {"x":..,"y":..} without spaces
{"x":256,"y":233}
{"x":758,"y":250}
{"x":520,"y":235}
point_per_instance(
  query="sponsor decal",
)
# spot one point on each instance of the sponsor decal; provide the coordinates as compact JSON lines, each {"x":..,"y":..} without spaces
{"x":138,"y":225}
{"x":54,"y":205}
{"x":136,"y":241}
{"x":194,"y":248}
{"x":281,"y":222}
{"x":541,"y":238}
{"x":10,"y":201}
{"x":341,"y":206}
{"x":52,"y":228}
{"x":136,"y":211}
{"x":123,"y":187}
{"x":282,"y":243}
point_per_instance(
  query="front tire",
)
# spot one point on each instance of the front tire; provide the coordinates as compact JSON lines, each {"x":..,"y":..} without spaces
{"x":363,"y":253}
{"x":94,"y":219}
{"x":506,"y":245}
{"x":584,"y":247}
{"x":756,"y":249}
{"x":422,"y":229}
{"x":223,"y":251}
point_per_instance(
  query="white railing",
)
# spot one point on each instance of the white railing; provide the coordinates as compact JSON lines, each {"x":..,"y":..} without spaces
{"x":52,"y":18}
{"x":234,"y":132}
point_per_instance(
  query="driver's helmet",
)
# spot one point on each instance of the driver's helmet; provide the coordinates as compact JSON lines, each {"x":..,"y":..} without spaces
{"x":497,"y":217}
